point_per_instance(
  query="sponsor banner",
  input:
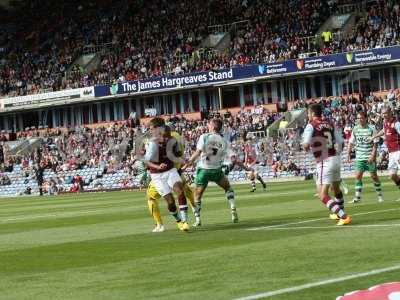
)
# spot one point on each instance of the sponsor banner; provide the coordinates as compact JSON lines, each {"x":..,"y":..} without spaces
{"x":35,"y":99}
{"x":167,"y":82}
{"x":219,"y":77}
{"x":87,"y":92}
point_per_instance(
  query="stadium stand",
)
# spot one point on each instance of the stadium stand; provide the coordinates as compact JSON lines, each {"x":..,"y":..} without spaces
{"x":42,"y":42}
{"x":141,"y":41}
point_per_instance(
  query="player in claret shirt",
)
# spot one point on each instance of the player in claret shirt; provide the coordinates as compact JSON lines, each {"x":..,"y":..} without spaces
{"x":250,"y":165}
{"x":164,"y":175}
{"x":324,"y":141}
{"x":391,"y":131}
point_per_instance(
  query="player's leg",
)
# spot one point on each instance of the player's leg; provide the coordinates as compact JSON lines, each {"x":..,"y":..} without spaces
{"x":174,"y":212}
{"x":198,"y":195}
{"x":395,"y":178}
{"x":377,"y":183}
{"x":188,"y":194}
{"x":223,"y":182}
{"x":152,"y":201}
{"x":201,"y":182}
{"x":162,"y":187}
{"x":317,"y":183}
{"x":175,"y":182}
{"x":335,"y":178}
{"x":338,"y":207}
{"x":259,"y":178}
{"x":393,"y":167}
{"x":343,"y":187}
{"x":329,"y":174}
{"x":252,"y":178}
{"x":180,"y":194}
{"x":360,"y":168}
{"x":331,"y":203}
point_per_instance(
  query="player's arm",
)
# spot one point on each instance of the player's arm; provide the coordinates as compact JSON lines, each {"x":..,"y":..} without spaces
{"x":196,"y":154}
{"x":193,"y":158}
{"x":372,"y":157}
{"x":151,"y":152}
{"x":339,"y":142}
{"x":243,"y":166}
{"x":307,"y":136}
{"x":397,"y":127}
{"x":154,"y":165}
{"x":245,"y":155}
{"x":350,"y":146}
{"x":379,"y":134}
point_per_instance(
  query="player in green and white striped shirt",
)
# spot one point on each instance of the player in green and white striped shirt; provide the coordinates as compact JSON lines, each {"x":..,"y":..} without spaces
{"x":141,"y":174}
{"x":365,"y":147}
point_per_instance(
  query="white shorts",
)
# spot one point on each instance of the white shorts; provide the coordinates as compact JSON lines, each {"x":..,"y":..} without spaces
{"x":394,"y":158}
{"x":165,"y":181}
{"x":251,"y":167}
{"x":328,"y":170}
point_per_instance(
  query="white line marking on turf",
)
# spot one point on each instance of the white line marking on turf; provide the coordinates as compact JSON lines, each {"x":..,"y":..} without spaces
{"x":332,"y":227}
{"x":319,"y":219}
{"x":319,"y":283}
{"x":71,"y":214}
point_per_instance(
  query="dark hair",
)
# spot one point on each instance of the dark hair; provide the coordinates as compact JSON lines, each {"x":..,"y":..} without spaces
{"x":167,"y":131}
{"x":157,"y":122}
{"x":362,"y":112}
{"x":217,"y":124}
{"x":316,"y":109}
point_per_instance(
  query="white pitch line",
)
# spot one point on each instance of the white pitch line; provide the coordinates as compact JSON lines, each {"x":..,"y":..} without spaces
{"x":333,"y":227}
{"x":70,"y":214}
{"x":319,"y":219}
{"x":319,"y":283}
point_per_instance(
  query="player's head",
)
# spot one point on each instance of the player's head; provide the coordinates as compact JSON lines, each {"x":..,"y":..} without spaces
{"x":215,"y":125}
{"x":362,"y":117}
{"x":167,"y":131}
{"x":157,"y":127}
{"x":314,"y":111}
{"x":387,"y":113}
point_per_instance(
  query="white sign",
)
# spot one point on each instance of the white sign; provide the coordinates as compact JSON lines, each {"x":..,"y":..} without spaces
{"x":150,"y":112}
{"x":87,"y":92}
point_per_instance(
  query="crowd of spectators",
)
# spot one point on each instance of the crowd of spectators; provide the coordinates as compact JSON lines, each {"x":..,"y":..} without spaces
{"x":380,"y":28}
{"x":111,"y":148}
{"x":142,"y":39}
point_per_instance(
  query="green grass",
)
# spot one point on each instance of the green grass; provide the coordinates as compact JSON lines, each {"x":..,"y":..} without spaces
{"x":100,"y":246}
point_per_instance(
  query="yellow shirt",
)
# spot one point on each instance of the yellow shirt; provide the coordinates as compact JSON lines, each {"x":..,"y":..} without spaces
{"x":327,"y":36}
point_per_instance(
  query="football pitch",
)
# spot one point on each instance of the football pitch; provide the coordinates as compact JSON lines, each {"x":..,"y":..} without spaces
{"x":100,"y":246}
